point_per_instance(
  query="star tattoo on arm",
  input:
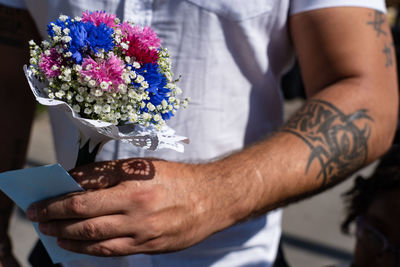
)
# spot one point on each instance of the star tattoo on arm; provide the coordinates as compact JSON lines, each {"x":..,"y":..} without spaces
{"x":377,"y":23}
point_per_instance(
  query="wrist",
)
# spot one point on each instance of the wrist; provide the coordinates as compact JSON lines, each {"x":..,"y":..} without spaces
{"x":234,"y":188}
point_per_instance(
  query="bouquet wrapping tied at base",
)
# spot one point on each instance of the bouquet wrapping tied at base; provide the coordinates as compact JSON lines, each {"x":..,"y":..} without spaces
{"x":112,"y":78}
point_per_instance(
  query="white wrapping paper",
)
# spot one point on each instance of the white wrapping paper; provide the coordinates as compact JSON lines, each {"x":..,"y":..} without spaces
{"x":100,"y":132}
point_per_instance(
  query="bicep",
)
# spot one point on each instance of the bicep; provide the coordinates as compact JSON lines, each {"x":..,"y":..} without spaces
{"x":341,"y":43}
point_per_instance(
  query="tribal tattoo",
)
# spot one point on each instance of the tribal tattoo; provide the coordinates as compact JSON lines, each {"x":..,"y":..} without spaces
{"x":377,"y":23}
{"x":336,"y":142}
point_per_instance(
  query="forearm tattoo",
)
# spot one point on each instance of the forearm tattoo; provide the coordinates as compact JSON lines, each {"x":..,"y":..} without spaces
{"x":336,"y":142}
{"x":377,"y":20}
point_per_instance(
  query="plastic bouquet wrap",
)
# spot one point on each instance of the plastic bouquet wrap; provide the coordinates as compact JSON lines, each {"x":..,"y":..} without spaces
{"x":113,"y":78}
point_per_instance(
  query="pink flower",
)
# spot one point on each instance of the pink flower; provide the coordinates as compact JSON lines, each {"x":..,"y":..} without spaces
{"x":146,"y":36}
{"x":110,"y":70}
{"x":99,"y":17}
{"x":143,"y":43}
{"x":50,"y":64}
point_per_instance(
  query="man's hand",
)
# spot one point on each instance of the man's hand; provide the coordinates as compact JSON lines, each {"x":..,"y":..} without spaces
{"x":139,"y":206}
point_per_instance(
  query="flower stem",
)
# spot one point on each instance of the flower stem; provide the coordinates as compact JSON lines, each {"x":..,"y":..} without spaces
{"x":85,"y":156}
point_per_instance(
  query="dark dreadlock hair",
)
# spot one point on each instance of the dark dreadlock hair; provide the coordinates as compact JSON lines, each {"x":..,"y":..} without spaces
{"x":385,"y":178}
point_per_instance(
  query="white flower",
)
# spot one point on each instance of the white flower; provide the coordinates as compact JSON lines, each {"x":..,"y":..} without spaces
{"x":65,"y":86}
{"x":66,"y":39}
{"x":77,"y":18}
{"x":69,"y":54}
{"x":51,"y":95}
{"x":89,"y":98}
{"x":66,"y":31}
{"x":97,"y":109}
{"x":77,"y":108}
{"x":32,"y":43}
{"x":150,"y":106}
{"x":124,"y":117}
{"x":56,"y":29}
{"x":96,"y":92}
{"x":117,"y":115}
{"x":60,"y":94}
{"x":124,"y":46}
{"x":79,"y":98}
{"x":87,"y":111}
{"x":92,"y":83}
{"x":157,"y":117}
{"x":139,"y":79}
{"x":144,"y":85}
{"x":132,"y":74}
{"x":63,"y":18}
{"x":118,"y":31}
{"x":76,"y":66}
{"x":106,"y":108}
{"x":104,"y":85}
{"x":45,"y":44}
{"x":136,"y":65}
{"x":122,"y":88}
{"x":33,"y":61}
{"x":128,"y":59}
{"x":47,"y":52}
{"x":133,"y":117}
{"x":69,"y":96}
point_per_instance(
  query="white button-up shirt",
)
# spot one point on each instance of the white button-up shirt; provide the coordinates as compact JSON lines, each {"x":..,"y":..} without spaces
{"x":231,"y":55}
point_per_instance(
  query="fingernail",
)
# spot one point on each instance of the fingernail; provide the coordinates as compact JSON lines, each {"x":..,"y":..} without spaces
{"x":31,"y":212}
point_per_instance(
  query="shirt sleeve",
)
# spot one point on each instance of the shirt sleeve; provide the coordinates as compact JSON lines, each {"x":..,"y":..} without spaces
{"x":14,"y":3}
{"x":298,"y":6}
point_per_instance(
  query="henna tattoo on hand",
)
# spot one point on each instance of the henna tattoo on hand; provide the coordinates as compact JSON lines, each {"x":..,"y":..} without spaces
{"x":377,"y":23}
{"x":336,"y":142}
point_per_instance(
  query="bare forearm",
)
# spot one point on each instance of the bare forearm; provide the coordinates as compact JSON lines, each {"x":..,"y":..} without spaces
{"x":332,"y":136}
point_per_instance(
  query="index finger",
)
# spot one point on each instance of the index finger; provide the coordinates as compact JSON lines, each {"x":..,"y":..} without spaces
{"x":86,"y":204}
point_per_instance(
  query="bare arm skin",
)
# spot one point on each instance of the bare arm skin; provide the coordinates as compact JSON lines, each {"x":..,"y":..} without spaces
{"x":16,"y":106}
{"x":150,"y":206}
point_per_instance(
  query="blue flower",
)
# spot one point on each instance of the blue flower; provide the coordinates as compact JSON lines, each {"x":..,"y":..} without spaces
{"x":157,"y":90}
{"x":60,"y":23}
{"x":86,"y":38}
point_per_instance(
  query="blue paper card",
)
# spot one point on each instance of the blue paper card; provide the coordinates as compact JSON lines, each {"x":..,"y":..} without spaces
{"x":27,"y":186}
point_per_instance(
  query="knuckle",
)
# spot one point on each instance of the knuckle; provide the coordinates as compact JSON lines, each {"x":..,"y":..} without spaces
{"x":104,"y":250}
{"x":89,"y":231}
{"x":154,"y":246}
{"x":154,"y":228}
{"x":76,"y":206}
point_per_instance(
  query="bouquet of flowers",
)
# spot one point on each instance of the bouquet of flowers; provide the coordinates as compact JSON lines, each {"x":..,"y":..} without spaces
{"x":113,"y":78}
